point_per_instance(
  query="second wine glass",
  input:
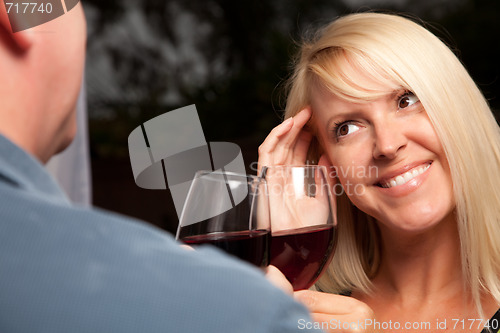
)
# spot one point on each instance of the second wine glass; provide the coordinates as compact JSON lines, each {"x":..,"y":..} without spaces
{"x":303,"y":222}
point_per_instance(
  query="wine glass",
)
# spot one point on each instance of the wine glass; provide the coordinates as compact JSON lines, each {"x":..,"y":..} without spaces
{"x":303,"y":222}
{"x":230,"y":211}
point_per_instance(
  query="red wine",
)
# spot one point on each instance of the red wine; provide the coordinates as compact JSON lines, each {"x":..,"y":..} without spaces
{"x":302,"y":254}
{"x":251,"y":246}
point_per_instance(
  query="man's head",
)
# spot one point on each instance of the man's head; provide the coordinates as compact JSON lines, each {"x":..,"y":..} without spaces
{"x":41,"y":72}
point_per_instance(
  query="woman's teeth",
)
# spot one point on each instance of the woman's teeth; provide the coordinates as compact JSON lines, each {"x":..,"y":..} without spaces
{"x":406,"y":177}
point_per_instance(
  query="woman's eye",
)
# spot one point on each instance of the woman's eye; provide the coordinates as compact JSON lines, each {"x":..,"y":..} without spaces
{"x":407,"y":99}
{"x":345,"y":129}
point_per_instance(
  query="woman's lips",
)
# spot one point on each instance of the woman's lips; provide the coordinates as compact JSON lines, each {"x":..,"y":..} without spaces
{"x":405,"y":177}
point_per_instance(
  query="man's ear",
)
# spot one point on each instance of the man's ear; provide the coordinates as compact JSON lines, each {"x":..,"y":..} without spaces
{"x":20,"y":41}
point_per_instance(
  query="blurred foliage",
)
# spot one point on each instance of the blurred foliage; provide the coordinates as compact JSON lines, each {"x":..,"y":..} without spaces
{"x":239,"y":53}
{"x":109,"y":11}
{"x":475,"y":28}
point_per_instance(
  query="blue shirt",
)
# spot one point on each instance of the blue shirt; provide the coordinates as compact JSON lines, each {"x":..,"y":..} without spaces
{"x":70,"y":269}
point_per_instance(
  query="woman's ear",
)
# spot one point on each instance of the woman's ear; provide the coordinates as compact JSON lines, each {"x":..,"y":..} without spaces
{"x":18,"y":42}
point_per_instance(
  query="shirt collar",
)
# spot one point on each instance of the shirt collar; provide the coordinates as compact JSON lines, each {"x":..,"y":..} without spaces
{"x":21,"y":170}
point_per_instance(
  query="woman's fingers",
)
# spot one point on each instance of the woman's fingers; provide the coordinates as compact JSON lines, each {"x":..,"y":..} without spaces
{"x":344,"y":311}
{"x":285,"y":149}
{"x":277,"y":278}
{"x":326,"y":303}
{"x":299,"y":120}
{"x":321,"y":302}
{"x":278,"y":148}
{"x":301,"y":148}
{"x":267,"y":147}
{"x":187,"y":247}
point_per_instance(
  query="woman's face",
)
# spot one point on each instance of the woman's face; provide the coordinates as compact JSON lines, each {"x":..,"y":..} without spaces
{"x":389,"y":159}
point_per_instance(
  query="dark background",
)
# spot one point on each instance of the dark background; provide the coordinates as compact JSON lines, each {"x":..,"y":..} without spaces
{"x":229,"y":58}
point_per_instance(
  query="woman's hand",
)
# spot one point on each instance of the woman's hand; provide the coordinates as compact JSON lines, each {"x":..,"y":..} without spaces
{"x":287,"y":143}
{"x":279,"y":280}
{"x":335,"y":313}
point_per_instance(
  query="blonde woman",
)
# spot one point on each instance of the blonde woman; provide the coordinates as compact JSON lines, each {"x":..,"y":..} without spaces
{"x":417,"y":153}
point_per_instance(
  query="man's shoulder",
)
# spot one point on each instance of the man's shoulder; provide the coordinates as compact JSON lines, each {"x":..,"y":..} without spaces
{"x":64,"y":264}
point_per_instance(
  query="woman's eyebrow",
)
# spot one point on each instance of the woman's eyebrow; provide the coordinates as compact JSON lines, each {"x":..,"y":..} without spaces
{"x":344,"y":116}
{"x":396,"y":92}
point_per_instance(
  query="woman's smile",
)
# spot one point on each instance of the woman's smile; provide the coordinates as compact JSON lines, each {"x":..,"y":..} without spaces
{"x":402,"y":178}
{"x":405,"y":180}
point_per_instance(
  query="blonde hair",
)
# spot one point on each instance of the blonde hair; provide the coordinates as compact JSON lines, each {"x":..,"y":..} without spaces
{"x":395,"y":51}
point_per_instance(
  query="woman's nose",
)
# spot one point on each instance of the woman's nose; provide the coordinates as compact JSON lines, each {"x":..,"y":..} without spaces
{"x":389,"y":141}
